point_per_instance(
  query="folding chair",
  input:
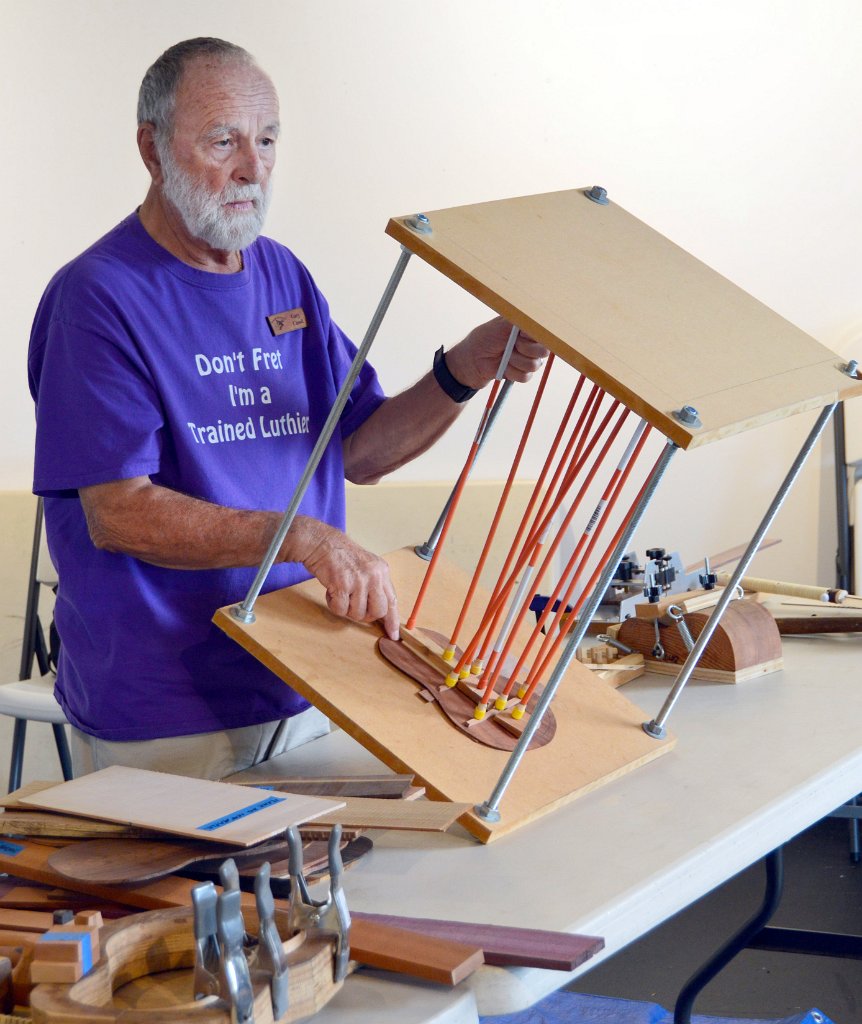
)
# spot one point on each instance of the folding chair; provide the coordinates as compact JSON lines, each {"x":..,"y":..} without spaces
{"x":31,"y":699}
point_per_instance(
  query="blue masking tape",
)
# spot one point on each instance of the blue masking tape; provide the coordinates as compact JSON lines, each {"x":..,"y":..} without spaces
{"x":243,"y":812}
{"x":10,"y":849}
{"x":85,"y":938}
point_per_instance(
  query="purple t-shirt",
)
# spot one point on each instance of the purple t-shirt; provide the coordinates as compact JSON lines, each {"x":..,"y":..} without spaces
{"x":143,"y":366}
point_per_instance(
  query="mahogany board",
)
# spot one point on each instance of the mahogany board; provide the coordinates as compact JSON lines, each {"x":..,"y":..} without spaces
{"x":214,"y":811}
{"x":504,"y":946}
{"x":634,"y":312}
{"x":335,"y":664}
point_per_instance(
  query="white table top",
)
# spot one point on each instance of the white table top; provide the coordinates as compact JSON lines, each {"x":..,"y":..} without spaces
{"x":755,"y":764}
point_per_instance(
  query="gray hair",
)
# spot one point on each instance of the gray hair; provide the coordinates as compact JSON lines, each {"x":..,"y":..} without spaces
{"x":158,"y":92}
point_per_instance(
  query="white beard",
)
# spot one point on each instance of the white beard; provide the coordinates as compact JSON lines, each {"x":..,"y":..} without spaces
{"x":204,"y":213}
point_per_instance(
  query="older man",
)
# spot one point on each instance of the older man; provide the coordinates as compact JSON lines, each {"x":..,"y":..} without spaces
{"x":175,"y":414}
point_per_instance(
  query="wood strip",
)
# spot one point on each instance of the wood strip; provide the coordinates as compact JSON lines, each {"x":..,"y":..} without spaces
{"x":23,"y":822}
{"x":34,"y":897}
{"x":401,"y":815}
{"x":504,"y":946}
{"x":25,"y":920}
{"x":214,"y":811}
{"x":378,"y":944}
{"x":392,"y":787}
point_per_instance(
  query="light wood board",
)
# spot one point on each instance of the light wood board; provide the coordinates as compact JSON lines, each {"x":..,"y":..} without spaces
{"x":637,"y":314}
{"x":215,"y":811}
{"x":335,"y":665}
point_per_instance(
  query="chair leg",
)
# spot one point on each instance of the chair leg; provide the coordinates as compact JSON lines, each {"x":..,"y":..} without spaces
{"x":63,"y":750}
{"x":18,"y":736}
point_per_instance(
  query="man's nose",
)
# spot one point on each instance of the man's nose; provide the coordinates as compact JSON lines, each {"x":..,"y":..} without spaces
{"x":249,"y":166}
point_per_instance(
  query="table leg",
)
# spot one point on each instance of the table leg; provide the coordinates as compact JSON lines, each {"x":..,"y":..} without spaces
{"x":698,"y":981}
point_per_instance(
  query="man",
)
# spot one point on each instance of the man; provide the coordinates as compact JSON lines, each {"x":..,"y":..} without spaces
{"x":173,"y":420}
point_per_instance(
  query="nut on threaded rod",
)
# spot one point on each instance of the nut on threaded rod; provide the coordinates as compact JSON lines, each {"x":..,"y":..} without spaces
{"x":420,"y":223}
{"x":851,"y":369}
{"x":487,"y":813}
{"x":688,"y":416}
{"x":242,"y":614}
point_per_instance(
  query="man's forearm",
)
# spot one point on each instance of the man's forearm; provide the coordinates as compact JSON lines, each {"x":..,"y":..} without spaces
{"x":399,"y":430}
{"x":175,"y":531}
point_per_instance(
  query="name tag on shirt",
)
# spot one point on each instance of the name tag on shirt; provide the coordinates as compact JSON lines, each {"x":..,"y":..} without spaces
{"x":289,"y":320}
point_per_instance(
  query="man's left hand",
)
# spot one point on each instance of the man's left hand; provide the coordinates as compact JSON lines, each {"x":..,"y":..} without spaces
{"x":475,"y":360}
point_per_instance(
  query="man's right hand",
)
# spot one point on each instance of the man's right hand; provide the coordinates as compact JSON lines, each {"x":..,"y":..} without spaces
{"x":357,"y":582}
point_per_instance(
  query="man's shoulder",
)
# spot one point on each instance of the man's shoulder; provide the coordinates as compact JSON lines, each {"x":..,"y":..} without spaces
{"x":111,"y":258}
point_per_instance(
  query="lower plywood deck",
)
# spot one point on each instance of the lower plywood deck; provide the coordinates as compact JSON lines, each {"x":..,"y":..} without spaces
{"x":335,"y":665}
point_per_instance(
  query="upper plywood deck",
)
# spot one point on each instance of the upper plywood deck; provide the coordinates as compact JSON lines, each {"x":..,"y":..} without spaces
{"x":637,"y":314}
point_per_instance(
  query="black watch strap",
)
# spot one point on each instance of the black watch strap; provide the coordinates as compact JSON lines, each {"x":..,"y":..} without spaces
{"x":457,"y":391}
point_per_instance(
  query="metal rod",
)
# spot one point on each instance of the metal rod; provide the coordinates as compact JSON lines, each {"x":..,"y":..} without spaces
{"x":244,"y":612}
{"x":489,"y":810}
{"x":427,"y":549}
{"x":843,"y":567}
{"x":656,"y":727}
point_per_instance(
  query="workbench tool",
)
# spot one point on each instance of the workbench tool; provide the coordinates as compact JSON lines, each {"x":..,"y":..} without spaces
{"x":328,"y":916}
{"x":234,"y":977}
{"x":271,"y":959}
{"x":206,"y":976}
{"x":622,"y":306}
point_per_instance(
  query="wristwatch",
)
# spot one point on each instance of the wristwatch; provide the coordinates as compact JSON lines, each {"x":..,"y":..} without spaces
{"x":457,"y":391}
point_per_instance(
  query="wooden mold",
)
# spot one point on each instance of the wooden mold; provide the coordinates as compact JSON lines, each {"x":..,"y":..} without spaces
{"x":335,"y":664}
{"x":640,"y":316}
{"x":746,"y":643}
{"x":145,"y":977}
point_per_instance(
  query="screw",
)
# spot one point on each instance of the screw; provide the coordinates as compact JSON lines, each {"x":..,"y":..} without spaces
{"x":658,"y":732}
{"x":688,"y":416}
{"x":597,"y":194}
{"x":420,"y":223}
{"x":851,"y":368}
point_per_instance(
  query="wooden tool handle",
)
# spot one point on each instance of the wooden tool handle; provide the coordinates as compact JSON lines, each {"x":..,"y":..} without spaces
{"x":813,"y":593}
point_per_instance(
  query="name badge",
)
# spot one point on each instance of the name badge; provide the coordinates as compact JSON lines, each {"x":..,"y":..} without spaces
{"x":284,"y":323}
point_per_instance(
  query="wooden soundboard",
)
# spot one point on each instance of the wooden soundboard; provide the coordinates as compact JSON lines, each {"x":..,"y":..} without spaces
{"x":335,"y":665}
{"x":634,"y":312}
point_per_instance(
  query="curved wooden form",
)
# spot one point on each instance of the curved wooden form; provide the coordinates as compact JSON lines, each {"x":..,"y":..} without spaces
{"x":136,"y":952}
{"x":745,"y":644}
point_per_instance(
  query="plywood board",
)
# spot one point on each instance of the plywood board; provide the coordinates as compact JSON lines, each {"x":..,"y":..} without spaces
{"x":335,"y":665}
{"x":637,"y":314}
{"x":215,"y":811}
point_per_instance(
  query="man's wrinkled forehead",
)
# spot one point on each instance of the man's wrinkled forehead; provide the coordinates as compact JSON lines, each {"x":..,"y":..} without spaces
{"x":213,"y":94}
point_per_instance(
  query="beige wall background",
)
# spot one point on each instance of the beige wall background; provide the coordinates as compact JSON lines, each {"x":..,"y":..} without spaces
{"x":733,"y":128}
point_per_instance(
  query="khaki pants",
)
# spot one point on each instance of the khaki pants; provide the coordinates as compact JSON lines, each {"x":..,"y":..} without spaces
{"x":208,"y":755}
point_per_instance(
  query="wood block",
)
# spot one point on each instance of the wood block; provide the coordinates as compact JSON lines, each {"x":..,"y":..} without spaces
{"x":688,"y":601}
{"x":10,"y":938}
{"x":621,"y":303}
{"x":52,"y":951}
{"x":89,"y":918}
{"x":422,"y":956}
{"x":503,"y":946}
{"x":42,"y":971}
{"x":88,"y":937}
{"x":599,"y":734}
{"x":214,"y":811}
{"x":25,"y":920}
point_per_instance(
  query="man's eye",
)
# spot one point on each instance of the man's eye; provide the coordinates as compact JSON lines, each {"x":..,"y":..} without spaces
{"x":223,"y":143}
{"x":267,"y":142}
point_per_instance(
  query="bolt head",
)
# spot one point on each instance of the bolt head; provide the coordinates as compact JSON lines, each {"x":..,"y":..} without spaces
{"x":851,"y":368}
{"x":420,"y":223}
{"x":597,"y":194}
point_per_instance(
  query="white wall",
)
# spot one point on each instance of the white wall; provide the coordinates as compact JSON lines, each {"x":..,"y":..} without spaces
{"x":733,"y":128}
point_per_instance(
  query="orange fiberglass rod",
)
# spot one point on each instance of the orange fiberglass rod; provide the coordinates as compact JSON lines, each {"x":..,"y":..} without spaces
{"x":456,"y":497}
{"x":488,"y":690}
{"x":531,"y":550}
{"x":560,"y":636}
{"x":496,"y":605}
{"x":580,"y":558}
{"x":449,"y":653}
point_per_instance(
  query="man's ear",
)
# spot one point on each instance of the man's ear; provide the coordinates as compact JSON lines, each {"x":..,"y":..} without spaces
{"x":148,"y":151}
